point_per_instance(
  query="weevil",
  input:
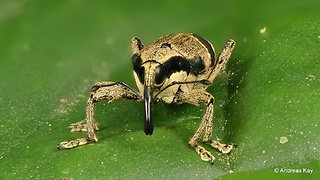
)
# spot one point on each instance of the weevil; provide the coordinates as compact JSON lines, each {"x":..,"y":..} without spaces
{"x":176,"y":68}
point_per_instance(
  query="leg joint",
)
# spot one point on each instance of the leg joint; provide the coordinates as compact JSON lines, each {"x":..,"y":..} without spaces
{"x":210,"y":100}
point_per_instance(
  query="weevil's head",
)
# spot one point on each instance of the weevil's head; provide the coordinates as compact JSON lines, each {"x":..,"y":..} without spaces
{"x":152,"y":73}
{"x":149,"y":76}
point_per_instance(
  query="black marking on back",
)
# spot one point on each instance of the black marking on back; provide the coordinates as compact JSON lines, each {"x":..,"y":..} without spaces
{"x":176,"y":64}
{"x":208,"y":46}
{"x":136,"y":61}
{"x":166,"y":45}
{"x":197,"y":65}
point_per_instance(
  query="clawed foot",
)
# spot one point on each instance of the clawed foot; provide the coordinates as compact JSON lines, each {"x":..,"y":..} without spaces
{"x":204,"y":154}
{"x":223,"y":148}
{"x":81,"y":126}
{"x":207,"y":156}
{"x":76,"y":127}
{"x":72,"y":144}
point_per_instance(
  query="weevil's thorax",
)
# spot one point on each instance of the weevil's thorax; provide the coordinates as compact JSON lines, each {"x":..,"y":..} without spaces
{"x":176,"y":57}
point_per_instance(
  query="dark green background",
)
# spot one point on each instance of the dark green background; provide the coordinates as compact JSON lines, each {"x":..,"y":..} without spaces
{"x":53,"y":50}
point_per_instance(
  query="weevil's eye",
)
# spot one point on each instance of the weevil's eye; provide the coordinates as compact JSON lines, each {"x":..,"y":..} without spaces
{"x":160,"y":74}
{"x":140,"y":73}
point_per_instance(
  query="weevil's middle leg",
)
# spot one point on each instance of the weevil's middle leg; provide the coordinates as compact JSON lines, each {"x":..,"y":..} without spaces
{"x":110,"y":91}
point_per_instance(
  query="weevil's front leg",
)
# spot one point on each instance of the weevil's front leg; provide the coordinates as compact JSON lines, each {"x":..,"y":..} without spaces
{"x":110,"y":91}
{"x":198,"y":97}
{"x":207,"y":138}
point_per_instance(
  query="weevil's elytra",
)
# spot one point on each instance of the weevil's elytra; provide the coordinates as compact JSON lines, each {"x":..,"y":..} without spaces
{"x":176,"y":68}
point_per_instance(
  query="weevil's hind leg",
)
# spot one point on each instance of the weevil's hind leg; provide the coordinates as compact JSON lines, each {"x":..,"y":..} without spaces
{"x":110,"y":91}
{"x":222,"y":59}
{"x":198,"y":97}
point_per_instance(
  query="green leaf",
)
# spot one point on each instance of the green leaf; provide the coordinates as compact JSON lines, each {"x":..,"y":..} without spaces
{"x":267,"y":102}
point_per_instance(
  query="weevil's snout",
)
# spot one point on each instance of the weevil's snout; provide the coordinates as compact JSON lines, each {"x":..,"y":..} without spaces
{"x":148,"y":125}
